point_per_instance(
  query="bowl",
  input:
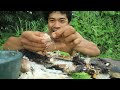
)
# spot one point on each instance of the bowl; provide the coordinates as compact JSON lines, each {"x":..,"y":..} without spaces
{"x":10,"y":64}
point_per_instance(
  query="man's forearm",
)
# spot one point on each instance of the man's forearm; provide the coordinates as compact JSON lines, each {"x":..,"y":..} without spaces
{"x":13,"y":43}
{"x":87,"y":48}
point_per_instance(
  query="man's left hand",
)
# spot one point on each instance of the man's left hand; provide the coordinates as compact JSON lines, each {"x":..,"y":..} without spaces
{"x":69,"y":34}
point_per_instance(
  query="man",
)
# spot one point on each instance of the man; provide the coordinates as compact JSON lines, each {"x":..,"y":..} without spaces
{"x":63,"y":37}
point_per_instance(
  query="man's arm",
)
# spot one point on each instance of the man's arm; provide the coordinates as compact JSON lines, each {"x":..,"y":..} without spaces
{"x":86,"y":47}
{"x":30,"y":40}
{"x":13,"y":43}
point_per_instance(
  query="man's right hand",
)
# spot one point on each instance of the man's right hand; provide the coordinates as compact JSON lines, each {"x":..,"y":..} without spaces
{"x":33,"y":40}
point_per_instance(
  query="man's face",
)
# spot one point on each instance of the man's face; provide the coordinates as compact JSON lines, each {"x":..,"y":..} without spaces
{"x":56,"y":20}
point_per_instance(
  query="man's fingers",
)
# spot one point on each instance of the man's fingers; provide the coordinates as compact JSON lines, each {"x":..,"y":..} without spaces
{"x":65,"y":31}
{"x":32,"y":36}
{"x":33,"y":44}
{"x":37,"y":40}
{"x":69,"y":30}
{"x":77,"y":41}
{"x":33,"y":48}
{"x":58,"y":33}
{"x":37,"y":33}
{"x":70,"y":38}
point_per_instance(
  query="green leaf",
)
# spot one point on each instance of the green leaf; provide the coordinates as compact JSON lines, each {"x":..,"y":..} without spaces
{"x":62,"y":53}
{"x":80,"y":75}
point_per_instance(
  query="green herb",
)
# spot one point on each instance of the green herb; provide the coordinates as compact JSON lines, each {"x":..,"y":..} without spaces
{"x":62,"y":53}
{"x":80,"y":75}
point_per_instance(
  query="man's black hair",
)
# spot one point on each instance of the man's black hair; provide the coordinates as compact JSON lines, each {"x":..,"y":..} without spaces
{"x":68,"y":14}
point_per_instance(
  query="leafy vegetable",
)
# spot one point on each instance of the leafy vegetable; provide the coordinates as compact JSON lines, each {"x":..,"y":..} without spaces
{"x":80,"y":75}
{"x":62,"y":53}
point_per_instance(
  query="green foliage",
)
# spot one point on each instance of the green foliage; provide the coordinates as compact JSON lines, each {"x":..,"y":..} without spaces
{"x":101,"y":27}
{"x":11,"y":19}
{"x":80,"y":75}
{"x":24,"y":25}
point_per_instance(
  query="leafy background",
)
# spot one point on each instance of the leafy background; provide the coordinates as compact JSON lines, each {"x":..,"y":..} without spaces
{"x":101,"y":27}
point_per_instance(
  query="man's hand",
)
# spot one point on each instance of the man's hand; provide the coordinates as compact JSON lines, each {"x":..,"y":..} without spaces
{"x":75,"y":41}
{"x":33,"y":41}
{"x":69,"y":35}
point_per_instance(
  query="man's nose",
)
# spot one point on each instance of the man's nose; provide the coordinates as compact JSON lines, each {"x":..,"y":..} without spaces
{"x":56,"y":25}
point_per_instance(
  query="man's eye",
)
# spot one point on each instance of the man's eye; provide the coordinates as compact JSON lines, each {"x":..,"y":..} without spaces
{"x":51,"y":20}
{"x":62,"y":21}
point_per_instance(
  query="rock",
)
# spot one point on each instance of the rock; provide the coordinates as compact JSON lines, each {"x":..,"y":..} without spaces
{"x":25,"y":66}
{"x":67,"y":65}
{"x":103,"y":76}
{"x":38,"y":71}
{"x":114,"y":75}
{"x":115,"y":72}
{"x":100,"y":64}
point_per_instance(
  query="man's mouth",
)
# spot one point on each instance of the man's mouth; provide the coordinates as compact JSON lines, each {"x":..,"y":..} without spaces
{"x":54,"y":30}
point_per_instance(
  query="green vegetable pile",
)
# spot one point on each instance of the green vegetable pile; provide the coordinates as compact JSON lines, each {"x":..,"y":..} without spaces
{"x":80,"y":75}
